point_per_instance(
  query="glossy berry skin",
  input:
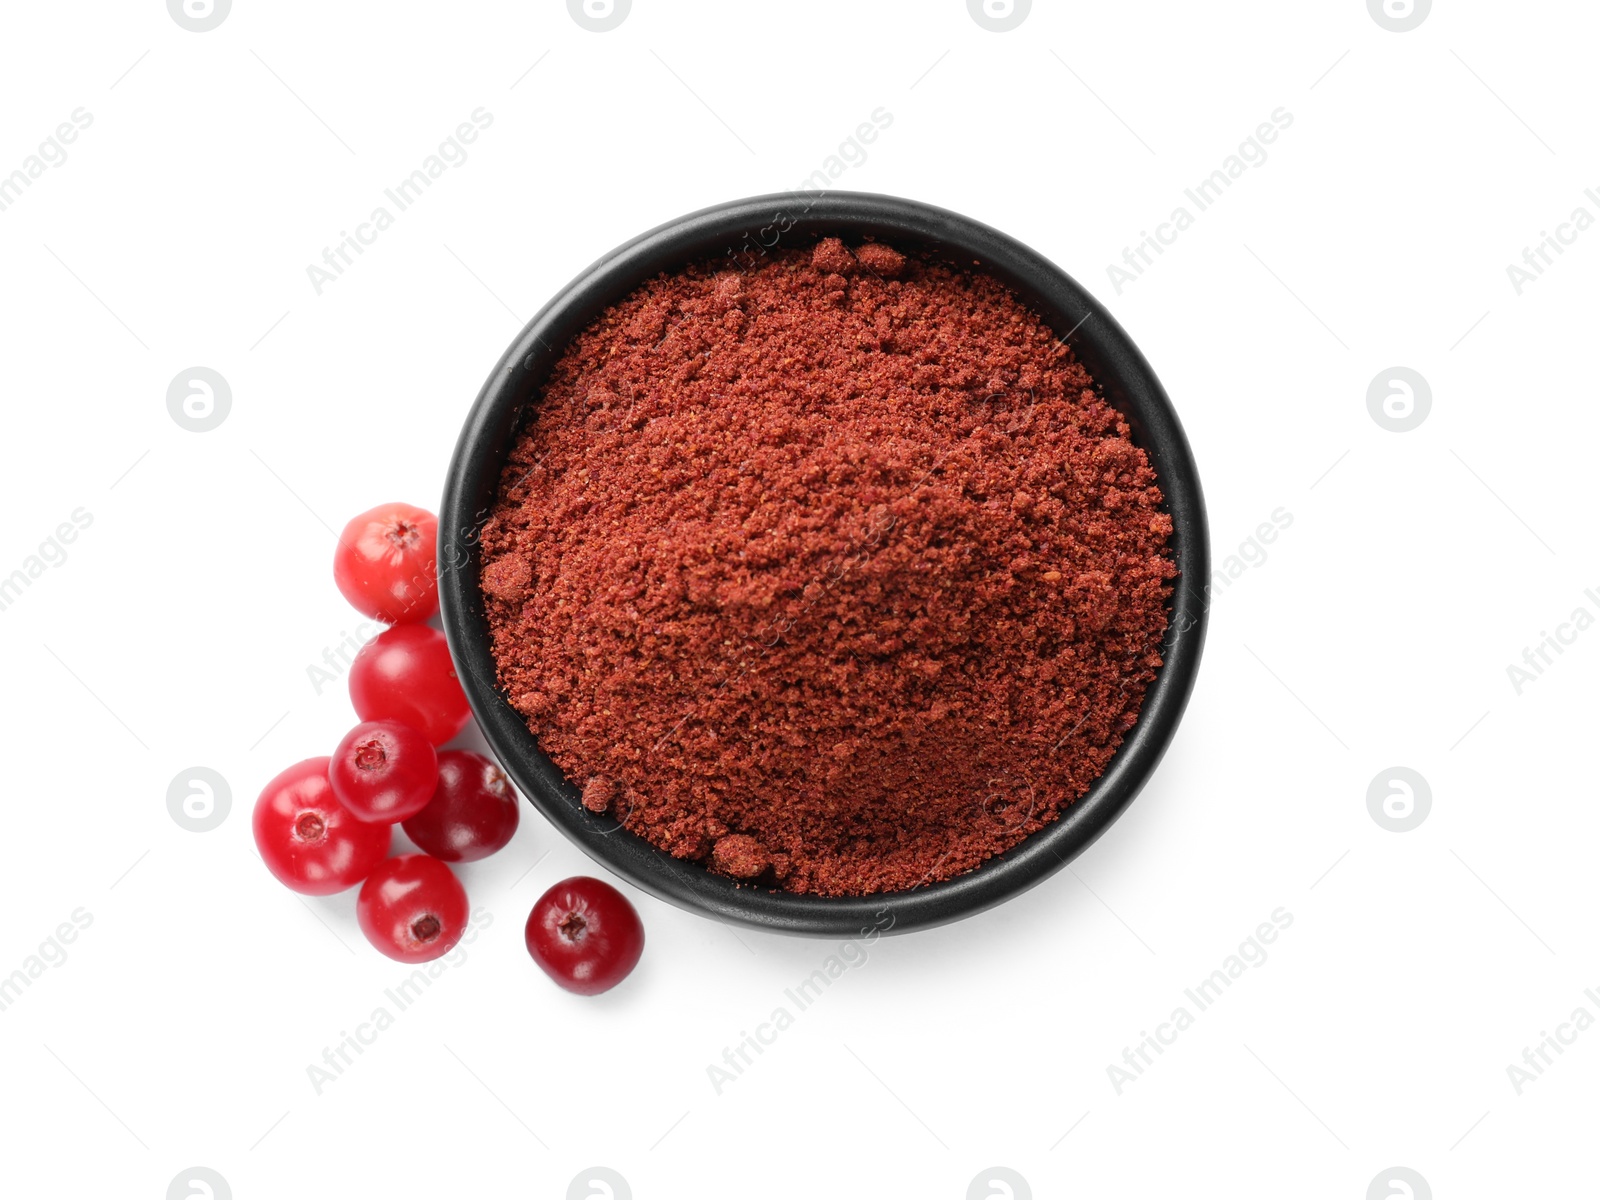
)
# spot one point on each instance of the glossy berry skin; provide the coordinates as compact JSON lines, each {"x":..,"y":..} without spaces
{"x":585,"y":935}
{"x":406,"y":674}
{"x":412,"y":908}
{"x":384,"y":771}
{"x":473,"y":811}
{"x":307,"y":838}
{"x":386,"y":563}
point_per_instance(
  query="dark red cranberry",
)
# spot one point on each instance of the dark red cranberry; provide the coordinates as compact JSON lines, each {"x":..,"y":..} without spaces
{"x":585,"y":935}
{"x":473,"y":811}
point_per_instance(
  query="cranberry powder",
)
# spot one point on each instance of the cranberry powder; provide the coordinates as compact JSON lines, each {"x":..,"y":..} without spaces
{"x":835,"y":575}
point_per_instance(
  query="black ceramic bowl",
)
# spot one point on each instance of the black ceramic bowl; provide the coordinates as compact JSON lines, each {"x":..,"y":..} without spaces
{"x":745,"y":229}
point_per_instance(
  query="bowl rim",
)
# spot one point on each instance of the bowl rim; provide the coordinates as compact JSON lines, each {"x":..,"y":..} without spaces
{"x":747,"y":229}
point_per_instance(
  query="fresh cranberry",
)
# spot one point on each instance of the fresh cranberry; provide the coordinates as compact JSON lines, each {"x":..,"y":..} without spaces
{"x":412,"y":908}
{"x":406,"y":674}
{"x":473,"y":812}
{"x":386,"y":563}
{"x":307,"y":838}
{"x":384,"y":771}
{"x":585,"y":935}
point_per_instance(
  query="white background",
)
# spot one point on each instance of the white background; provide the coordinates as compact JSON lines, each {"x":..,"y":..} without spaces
{"x":1377,"y":631}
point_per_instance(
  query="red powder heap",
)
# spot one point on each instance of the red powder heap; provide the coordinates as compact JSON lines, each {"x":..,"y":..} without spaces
{"x":834,"y":575}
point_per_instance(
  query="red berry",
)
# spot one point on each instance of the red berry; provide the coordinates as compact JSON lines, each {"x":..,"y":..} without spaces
{"x":384,"y":771}
{"x":386,"y":563}
{"x":307,"y":838}
{"x":473,"y":811}
{"x":412,"y":908}
{"x":406,"y":674}
{"x":585,"y":935}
